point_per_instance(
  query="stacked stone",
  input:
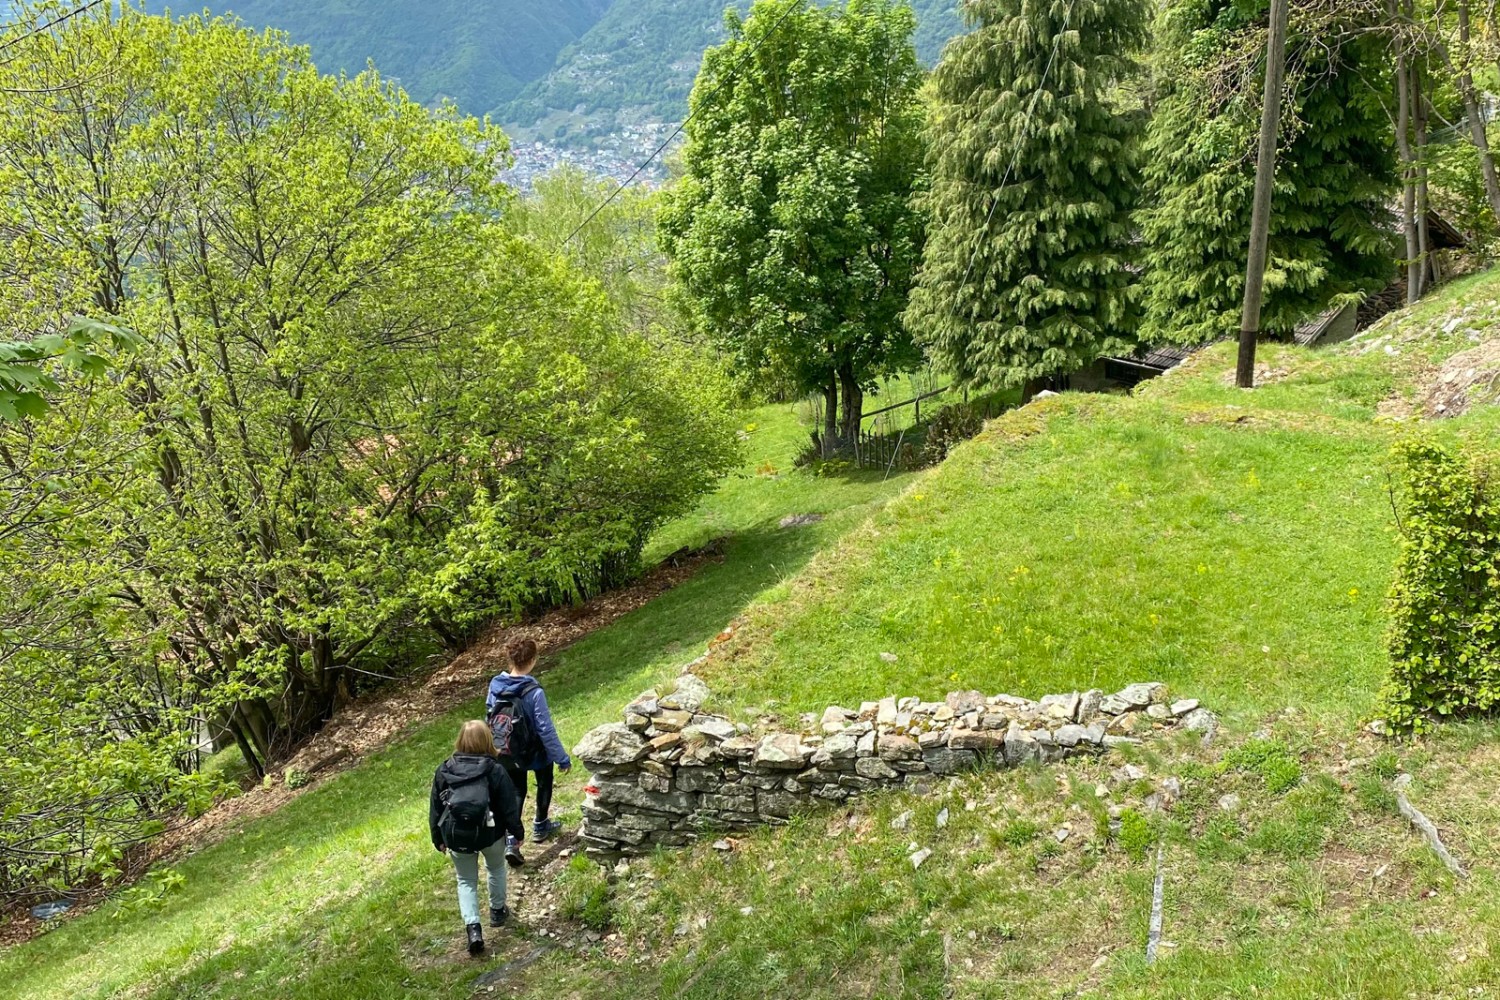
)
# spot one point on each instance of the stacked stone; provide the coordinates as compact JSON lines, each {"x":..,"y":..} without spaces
{"x":671,"y":772}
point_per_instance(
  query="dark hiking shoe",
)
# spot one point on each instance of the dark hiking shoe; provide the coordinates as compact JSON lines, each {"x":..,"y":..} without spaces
{"x":545,"y":831}
{"x":476,"y":939}
{"x":499,"y":915}
{"x":513,"y":853}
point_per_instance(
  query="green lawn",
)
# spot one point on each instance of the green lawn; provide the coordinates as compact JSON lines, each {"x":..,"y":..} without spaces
{"x":1235,"y":545}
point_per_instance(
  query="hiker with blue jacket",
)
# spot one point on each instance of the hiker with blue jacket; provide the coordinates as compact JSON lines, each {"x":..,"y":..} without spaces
{"x":473,"y":804}
{"x":525,"y":738}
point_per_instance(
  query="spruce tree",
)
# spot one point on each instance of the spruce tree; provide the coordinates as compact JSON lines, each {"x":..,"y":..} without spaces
{"x":1033,"y":179}
{"x":1330,"y":244}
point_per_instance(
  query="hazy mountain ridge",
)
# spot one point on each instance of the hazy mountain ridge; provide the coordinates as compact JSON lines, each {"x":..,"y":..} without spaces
{"x":560,"y":69}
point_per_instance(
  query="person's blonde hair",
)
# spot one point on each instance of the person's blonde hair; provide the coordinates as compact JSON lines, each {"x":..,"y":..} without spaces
{"x":475,"y":738}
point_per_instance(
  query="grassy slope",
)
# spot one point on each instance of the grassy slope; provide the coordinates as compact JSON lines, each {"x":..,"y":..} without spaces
{"x":1237,"y":546}
{"x":1234,"y":545}
{"x":339,"y":894}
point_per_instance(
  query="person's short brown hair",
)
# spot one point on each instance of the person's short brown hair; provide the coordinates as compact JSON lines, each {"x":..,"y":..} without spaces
{"x":475,"y":738}
{"x":520,"y":652}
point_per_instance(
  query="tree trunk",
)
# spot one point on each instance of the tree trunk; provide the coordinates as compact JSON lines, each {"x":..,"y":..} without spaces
{"x":1265,"y":179}
{"x":854,"y":406}
{"x":1408,"y":168}
{"x":1419,"y":115}
{"x":1473,"y":113}
{"x":830,"y":416}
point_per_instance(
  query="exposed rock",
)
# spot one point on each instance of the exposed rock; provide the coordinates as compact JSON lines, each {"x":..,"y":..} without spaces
{"x":1062,"y":707}
{"x":919,"y":857}
{"x":1230,"y":803}
{"x":783,"y":752}
{"x":1141,"y":695}
{"x":690,"y":695}
{"x":895,"y":747}
{"x":665,"y":741}
{"x":874,"y":768}
{"x":889,"y":657}
{"x":963,"y":702}
{"x":1201,"y":720}
{"x":984,"y":741}
{"x":946,"y":761}
{"x":1020,"y":747}
{"x":646,"y":703}
{"x":672,"y":720}
{"x":739,"y":747}
{"x":885,"y":712}
{"x":712,"y":727}
{"x":800,"y":520}
{"x":611,"y":744}
{"x":942,"y":818}
{"x":900,"y":822}
{"x":1158,"y":712}
{"x":1183,"y":707}
{"x":1088,"y":704}
{"x":836,"y":718}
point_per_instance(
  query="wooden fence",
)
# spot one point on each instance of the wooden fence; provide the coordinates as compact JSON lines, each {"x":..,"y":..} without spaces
{"x":905,"y":450}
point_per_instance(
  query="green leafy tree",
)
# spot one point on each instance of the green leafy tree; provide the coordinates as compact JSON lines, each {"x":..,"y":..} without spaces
{"x":1335,"y":174}
{"x":362,"y":417}
{"x":1033,"y":181}
{"x":616,"y":244}
{"x":792,"y":228}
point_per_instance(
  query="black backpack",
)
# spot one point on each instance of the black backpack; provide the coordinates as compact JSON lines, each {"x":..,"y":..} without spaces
{"x":514,"y":738}
{"x":466,"y":812}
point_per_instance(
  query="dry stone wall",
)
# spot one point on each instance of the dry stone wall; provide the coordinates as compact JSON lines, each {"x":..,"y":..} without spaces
{"x":672,"y":772}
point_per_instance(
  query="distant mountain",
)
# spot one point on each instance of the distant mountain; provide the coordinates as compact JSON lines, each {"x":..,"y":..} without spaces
{"x":638,"y":63}
{"x":480,"y":54}
{"x":558,"y":69}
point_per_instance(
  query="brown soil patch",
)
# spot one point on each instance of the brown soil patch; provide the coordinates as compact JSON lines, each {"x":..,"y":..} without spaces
{"x":1462,"y":381}
{"x":370,"y":723}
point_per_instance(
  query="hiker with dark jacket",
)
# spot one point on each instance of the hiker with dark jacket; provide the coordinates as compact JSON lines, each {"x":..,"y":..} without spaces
{"x":525,"y":737}
{"x":472,"y":810}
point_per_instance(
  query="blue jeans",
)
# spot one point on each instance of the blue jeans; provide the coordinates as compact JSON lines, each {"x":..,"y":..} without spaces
{"x":467,"y":868}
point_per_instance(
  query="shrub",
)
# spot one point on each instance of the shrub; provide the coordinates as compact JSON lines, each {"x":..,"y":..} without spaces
{"x":1444,"y":637}
{"x":949,"y":427}
{"x":1136,"y":835}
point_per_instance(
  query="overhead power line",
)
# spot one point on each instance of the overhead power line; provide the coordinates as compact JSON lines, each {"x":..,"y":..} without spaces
{"x":745,"y":59}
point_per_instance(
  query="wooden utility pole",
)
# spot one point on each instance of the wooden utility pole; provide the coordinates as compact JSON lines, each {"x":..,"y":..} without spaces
{"x":1265,"y":179}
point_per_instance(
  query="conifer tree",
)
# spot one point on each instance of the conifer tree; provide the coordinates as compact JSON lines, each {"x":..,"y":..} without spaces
{"x":1329,"y":240}
{"x":1032,"y":182}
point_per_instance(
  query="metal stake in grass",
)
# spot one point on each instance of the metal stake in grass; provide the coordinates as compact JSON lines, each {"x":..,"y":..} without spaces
{"x":1425,"y":826}
{"x":1153,"y":937}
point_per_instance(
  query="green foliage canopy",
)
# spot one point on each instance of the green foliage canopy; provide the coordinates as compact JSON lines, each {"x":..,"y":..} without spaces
{"x":363,"y":415}
{"x":793,"y":229}
{"x":1336,"y":171}
{"x":1026,"y":272}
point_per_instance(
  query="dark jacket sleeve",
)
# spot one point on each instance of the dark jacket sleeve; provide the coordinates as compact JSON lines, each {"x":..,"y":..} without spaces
{"x":435,"y":812}
{"x":504,"y":803}
{"x":490,"y":696}
{"x":541,"y":721}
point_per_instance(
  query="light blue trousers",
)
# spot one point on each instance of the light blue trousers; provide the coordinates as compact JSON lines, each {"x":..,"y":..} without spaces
{"x":467,"y":868}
